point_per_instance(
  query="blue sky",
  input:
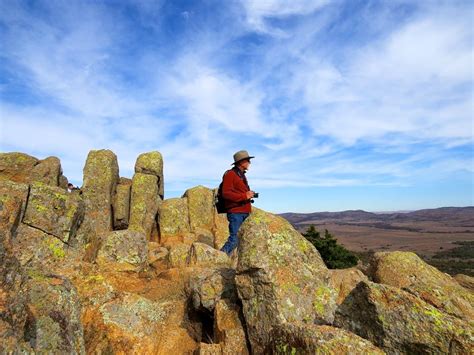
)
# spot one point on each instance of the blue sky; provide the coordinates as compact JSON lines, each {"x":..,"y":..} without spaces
{"x":345,"y":104}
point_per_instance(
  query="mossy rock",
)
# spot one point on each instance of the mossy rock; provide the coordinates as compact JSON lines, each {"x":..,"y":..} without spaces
{"x":23,"y":168}
{"x":204,"y":255}
{"x":152,"y":163}
{"x":54,"y":211}
{"x":280,"y":278}
{"x":201,"y":207}
{"x":101,"y":175}
{"x":400,"y":322}
{"x":408,"y":271}
{"x":300,"y":338}
{"x":13,"y":199}
{"x":174,"y":218}
{"x":210,"y":285}
{"x":178,"y":256}
{"x":144,"y":204}
{"x":123,"y":250}
{"x":54,"y":325}
{"x":16,"y":167}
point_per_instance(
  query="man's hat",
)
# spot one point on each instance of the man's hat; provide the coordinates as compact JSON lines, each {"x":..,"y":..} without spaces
{"x":241,"y":155}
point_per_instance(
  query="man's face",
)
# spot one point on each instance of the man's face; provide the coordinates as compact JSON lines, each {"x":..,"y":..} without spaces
{"x":245,"y":164}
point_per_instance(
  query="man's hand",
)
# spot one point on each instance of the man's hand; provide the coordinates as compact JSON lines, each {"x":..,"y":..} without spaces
{"x":250,"y":194}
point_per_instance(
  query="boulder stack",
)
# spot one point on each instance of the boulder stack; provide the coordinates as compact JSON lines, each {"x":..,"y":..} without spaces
{"x":114,"y":268}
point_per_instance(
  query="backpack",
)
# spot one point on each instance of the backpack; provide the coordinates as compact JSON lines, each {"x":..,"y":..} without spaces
{"x":219,"y":199}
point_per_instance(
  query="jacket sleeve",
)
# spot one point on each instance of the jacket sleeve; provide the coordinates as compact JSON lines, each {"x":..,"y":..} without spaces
{"x":228,"y":188}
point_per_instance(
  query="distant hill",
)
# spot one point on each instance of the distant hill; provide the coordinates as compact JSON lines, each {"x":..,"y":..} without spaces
{"x":455,"y":216}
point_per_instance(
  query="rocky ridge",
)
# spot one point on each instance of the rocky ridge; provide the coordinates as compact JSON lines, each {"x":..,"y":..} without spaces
{"x":116,"y":268}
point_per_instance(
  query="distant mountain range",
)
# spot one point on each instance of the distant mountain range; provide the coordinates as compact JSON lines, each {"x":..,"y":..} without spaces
{"x":455,"y":216}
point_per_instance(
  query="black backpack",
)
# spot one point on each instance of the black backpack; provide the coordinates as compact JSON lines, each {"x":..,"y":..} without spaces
{"x":219,"y":199}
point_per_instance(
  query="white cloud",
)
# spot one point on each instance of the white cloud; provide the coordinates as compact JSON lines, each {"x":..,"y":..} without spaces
{"x":259,"y":11}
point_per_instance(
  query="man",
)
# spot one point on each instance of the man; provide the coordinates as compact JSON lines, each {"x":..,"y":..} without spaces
{"x":237,"y":194}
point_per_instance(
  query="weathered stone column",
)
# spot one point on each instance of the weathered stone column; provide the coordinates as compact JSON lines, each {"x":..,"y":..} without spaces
{"x":101,"y":175}
{"x":146,"y":194}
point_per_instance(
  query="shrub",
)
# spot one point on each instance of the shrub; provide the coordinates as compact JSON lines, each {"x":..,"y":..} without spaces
{"x":334,"y":255}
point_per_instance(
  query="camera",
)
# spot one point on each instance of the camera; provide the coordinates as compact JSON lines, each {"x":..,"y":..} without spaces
{"x":255,"y":195}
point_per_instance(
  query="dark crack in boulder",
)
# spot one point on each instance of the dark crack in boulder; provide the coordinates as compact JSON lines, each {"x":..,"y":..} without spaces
{"x":13,"y":199}
{"x":280,"y":278}
{"x":121,"y":204}
{"x":35,"y":248}
{"x":229,"y":329}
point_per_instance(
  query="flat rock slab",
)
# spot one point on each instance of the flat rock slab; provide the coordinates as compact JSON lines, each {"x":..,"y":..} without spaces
{"x":299,"y":338}
{"x":54,"y":211}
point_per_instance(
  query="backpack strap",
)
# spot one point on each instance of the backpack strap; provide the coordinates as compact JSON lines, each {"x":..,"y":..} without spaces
{"x":241,"y":175}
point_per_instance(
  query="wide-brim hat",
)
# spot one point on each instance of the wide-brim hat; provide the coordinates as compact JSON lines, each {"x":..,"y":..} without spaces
{"x":241,"y":155}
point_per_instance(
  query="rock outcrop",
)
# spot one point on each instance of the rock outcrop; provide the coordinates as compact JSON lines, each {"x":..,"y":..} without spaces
{"x":23,"y":168}
{"x":114,"y":268}
{"x":407,"y":271}
{"x":399,"y":322}
{"x":280,"y":278}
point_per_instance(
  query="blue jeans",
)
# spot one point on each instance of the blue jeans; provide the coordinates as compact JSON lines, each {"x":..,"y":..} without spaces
{"x":235,"y":220}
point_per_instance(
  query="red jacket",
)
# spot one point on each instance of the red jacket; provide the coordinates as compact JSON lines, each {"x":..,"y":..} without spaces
{"x":234,"y":190}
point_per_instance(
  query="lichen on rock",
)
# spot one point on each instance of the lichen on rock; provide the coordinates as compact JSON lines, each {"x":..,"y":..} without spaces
{"x":144,"y":204}
{"x":54,"y":211}
{"x":123,"y":250}
{"x":408,"y":271}
{"x":280,"y":278}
